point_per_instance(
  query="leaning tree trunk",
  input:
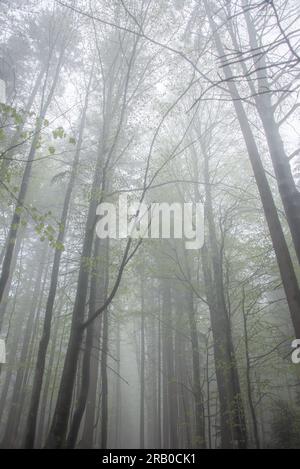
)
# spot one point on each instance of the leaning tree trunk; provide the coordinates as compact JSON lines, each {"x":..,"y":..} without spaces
{"x":87,"y":440}
{"x":5,"y":297}
{"x":43,"y":346}
{"x":46,"y":386}
{"x":59,"y":424}
{"x":289,"y":194}
{"x":15,"y":140}
{"x":98,"y":293}
{"x":15,"y":224}
{"x":10,"y":435}
{"x":289,"y":279}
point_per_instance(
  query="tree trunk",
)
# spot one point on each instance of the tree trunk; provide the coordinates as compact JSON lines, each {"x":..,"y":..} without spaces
{"x":198,"y":396}
{"x":171,"y":378}
{"x":142,"y":374}
{"x":10,"y":435}
{"x":16,"y":137}
{"x":58,"y":428}
{"x":248,"y":377}
{"x":159,"y":369}
{"x":43,"y":346}
{"x":289,"y":194}
{"x":15,"y":224}
{"x":233,"y":426}
{"x":41,"y":424}
{"x":100,"y":282}
{"x":104,"y":383}
{"x":284,"y":260}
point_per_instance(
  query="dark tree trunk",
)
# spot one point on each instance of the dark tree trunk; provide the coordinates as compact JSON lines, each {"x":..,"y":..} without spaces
{"x":171,"y":378}
{"x":165,"y":377}
{"x":97,"y":297}
{"x":142,"y":374}
{"x":118,"y":389}
{"x":45,"y":394}
{"x":283,"y":257}
{"x":99,"y":282}
{"x":15,"y":224}
{"x":58,"y":428}
{"x":43,"y":346}
{"x":159,"y":390}
{"x":104,"y":382}
{"x":199,"y":408}
{"x":17,"y":135}
{"x":233,"y":426}
{"x":248,"y":378}
{"x":10,"y":435}
{"x":289,"y":194}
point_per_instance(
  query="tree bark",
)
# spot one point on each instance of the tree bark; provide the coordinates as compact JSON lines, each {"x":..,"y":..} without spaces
{"x":198,"y":396}
{"x":142,"y":374}
{"x":58,"y":428}
{"x":43,"y":346}
{"x":10,"y":435}
{"x":15,"y":224}
{"x":283,"y":257}
{"x":289,"y":194}
{"x":248,"y":377}
{"x":233,"y":427}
